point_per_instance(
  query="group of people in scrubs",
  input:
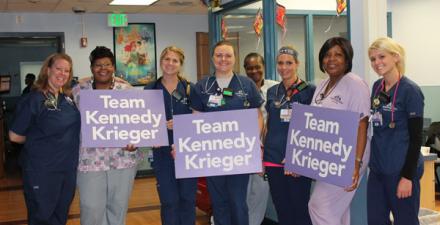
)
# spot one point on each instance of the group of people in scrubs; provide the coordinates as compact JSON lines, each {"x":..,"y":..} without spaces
{"x":47,"y":121}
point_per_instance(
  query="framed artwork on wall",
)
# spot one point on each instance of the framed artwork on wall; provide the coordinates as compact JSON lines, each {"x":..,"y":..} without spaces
{"x":135,"y":52}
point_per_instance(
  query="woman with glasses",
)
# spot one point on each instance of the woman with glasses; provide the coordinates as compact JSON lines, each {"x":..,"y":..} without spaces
{"x":396,"y":165}
{"x":223,"y":91}
{"x":290,"y":192}
{"x":343,"y":90}
{"x":48,"y":123}
{"x":105,"y":175}
{"x":177,"y":196}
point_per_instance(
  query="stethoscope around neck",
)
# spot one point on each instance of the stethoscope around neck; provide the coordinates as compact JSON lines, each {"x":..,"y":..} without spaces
{"x":207,"y":89}
{"x":377,"y":102}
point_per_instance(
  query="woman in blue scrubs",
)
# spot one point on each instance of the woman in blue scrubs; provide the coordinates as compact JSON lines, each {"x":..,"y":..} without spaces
{"x":222,"y":91}
{"x":397,"y":120}
{"x":48,"y":123}
{"x":177,"y":196}
{"x":290,"y":194}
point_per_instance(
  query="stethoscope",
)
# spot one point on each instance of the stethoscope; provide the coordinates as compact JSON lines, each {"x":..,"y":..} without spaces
{"x":218,"y":91}
{"x":376,"y":101}
{"x":286,"y":98}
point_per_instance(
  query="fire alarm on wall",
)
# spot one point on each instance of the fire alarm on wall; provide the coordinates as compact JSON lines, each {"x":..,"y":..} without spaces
{"x":83,"y":42}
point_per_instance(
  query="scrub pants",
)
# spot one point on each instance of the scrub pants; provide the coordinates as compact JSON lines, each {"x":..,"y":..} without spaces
{"x":177,"y":196}
{"x":382,"y":199}
{"x":290,"y":196}
{"x":330,"y":204}
{"x":104,"y":196}
{"x":257,"y":196}
{"x":228,"y":198}
{"x":48,"y":196}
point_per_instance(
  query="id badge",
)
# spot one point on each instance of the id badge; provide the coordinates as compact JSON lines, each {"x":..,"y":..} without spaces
{"x":377,"y":119}
{"x":285,"y":115}
{"x":215,"y":100}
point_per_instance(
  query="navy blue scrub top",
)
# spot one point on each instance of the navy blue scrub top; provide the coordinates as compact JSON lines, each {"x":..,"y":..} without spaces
{"x":52,"y":136}
{"x":389,"y":146}
{"x":243,"y":88}
{"x":277,"y":130}
{"x":172,"y":105}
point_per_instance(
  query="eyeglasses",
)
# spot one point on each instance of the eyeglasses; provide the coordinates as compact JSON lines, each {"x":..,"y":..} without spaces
{"x":102,"y":66}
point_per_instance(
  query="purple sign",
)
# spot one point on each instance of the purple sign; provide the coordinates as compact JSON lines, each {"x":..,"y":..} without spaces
{"x":217,"y":143}
{"x":117,"y":118}
{"x":321,"y":144}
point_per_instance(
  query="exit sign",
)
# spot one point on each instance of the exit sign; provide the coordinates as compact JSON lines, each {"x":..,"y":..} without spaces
{"x":117,"y":20}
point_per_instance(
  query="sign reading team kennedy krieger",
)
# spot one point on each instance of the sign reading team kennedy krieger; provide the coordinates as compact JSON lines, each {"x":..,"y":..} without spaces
{"x":321,"y":144}
{"x":117,"y":118}
{"x":217,"y":143}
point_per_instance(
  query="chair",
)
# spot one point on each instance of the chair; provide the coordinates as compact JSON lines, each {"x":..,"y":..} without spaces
{"x":433,"y":135}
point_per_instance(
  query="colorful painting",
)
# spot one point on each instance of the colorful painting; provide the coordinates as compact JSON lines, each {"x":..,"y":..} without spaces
{"x":135,"y":52}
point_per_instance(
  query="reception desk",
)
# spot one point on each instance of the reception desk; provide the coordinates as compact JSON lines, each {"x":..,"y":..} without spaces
{"x":427,"y":183}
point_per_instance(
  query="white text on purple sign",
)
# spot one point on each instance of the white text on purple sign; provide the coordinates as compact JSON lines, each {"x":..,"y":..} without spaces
{"x":202,"y":149}
{"x":105,"y":124}
{"x":337,"y":148}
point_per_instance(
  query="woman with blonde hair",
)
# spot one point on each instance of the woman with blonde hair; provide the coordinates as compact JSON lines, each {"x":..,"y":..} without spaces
{"x":48,"y":123}
{"x":397,"y":121}
{"x":177,"y":196}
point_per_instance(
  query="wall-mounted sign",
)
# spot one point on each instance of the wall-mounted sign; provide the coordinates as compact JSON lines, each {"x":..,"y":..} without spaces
{"x":117,"y":20}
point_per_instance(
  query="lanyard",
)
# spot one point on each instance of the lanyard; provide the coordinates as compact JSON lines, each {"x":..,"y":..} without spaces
{"x":376,"y":100}
{"x":291,"y":91}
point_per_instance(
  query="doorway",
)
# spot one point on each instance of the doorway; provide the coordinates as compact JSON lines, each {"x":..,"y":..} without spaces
{"x":21,"y":53}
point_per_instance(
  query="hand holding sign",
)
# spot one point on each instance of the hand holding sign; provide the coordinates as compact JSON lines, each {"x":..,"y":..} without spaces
{"x":117,"y":118}
{"x":321,"y":144}
{"x":217,"y":143}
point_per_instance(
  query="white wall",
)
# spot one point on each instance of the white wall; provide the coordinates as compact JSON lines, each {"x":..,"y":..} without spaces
{"x":176,"y":30}
{"x":368,"y":21}
{"x":415,"y":26}
{"x":320,"y":25}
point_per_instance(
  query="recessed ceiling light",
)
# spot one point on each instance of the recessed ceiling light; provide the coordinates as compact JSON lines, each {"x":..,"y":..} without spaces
{"x":181,"y":3}
{"x":237,"y":16}
{"x":132,"y":2}
{"x":235,"y":27}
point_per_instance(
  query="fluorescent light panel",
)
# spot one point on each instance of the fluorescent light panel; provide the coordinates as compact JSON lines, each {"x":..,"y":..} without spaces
{"x":132,"y":2}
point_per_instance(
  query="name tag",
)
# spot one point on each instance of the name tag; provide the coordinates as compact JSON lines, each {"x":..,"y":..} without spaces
{"x":285,"y":115}
{"x":377,"y":119}
{"x":215,"y":100}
